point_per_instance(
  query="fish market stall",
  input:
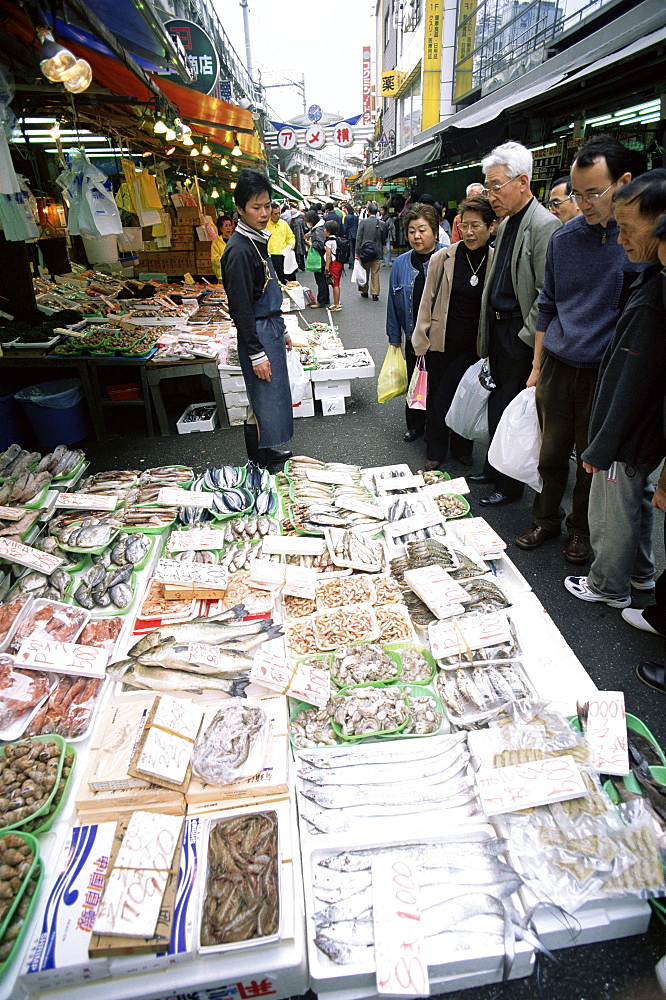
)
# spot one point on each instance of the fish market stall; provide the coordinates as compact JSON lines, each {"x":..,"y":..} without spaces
{"x":224,"y":698}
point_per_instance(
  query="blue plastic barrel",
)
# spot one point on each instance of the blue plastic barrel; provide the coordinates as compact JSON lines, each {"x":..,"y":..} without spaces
{"x":56,"y":411}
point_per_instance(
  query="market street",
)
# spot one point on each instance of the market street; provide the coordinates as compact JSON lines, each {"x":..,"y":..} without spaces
{"x":369,"y":434}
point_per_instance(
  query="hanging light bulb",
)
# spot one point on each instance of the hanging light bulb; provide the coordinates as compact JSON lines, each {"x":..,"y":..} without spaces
{"x":236,"y":151}
{"x":194,"y":151}
{"x":55,"y":60}
{"x":54,"y":131}
{"x":215,"y":193}
{"x":224,"y":161}
{"x":170,"y":150}
{"x":233,"y":185}
{"x":205,"y":149}
{"x":205,"y":168}
{"x":234,"y":168}
{"x":170,"y":135}
{"x":187,"y":141}
{"x":160,"y":127}
{"x":79,"y":78}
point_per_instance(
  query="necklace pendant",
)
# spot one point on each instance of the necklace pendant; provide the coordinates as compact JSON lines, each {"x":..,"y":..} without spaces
{"x":474,"y":281}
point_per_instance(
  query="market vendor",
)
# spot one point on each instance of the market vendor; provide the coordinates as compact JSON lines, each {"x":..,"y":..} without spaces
{"x":225,"y":228}
{"x":255,"y":300}
{"x":281,"y":237}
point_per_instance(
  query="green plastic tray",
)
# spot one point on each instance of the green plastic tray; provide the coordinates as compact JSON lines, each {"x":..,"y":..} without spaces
{"x":149,"y":529}
{"x":43,"y":824}
{"x":37,"y":877}
{"x":419,"y":690}
{"x":394,"y":650}
{"x":378,"y":684}
{"x":34,"y":847}
{"x":38,"y":500}
{"x":109,"y":609}
{"x":70,"y":475}
{"x":49,"y":737}
{"x":385,"y":734}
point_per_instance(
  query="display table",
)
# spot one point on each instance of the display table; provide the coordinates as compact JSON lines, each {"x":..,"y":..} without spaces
{"x":156,"y":373}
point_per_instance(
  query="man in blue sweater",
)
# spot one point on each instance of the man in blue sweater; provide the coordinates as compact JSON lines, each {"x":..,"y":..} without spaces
{"x":586,"y":280}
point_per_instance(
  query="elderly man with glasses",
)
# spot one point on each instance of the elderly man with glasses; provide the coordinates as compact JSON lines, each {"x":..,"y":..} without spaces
{"x":561,"y":201}
{"x":586,"y":280}
{"x":508,"y":307}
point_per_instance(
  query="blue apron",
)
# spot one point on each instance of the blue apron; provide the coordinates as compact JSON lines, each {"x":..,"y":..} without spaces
{"x":270,"y":401}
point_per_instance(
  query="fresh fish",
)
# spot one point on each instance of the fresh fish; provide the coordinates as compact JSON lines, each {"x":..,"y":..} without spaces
{"x":9,"y":456}
{"x":422,"y":853}
{"x":136,"y":547}
{"x":346,"y":954}
{"x":388,"y":772}
{"x":94,"y":576}
{"x":447,"y":783}
{"x":349,"y":932}
{"x":231,"y":656}
{"x":84,"y":597}
{"x":433,"y":800}
{"x":121,"y":594}
{"x":445,"y":816}
{"x":119,"y":575}
{"x":332,"y":887}
{"x":213,"y":632}
{"x":51,"y":594}
{"x":469,"y":690}
{"x":392,"y":753}
{"x":32,"y":581}
{"x":135,"y":675}
{"x":354,"y":907}
{"x":118,"y":551}
{"x":501,"y":684}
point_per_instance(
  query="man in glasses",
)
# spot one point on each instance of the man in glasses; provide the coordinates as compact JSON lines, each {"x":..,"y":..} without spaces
{"x":508,"y":306}
{"x":561,"y":201}
{"x":587,"y":275}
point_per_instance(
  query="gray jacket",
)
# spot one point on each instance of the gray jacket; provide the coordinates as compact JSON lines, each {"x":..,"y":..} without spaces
{"x":528,"y":263}
{"x":371,"y":230}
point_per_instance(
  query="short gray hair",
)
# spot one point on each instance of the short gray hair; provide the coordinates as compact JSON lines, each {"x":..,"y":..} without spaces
{"x":512,"y":155}
{"x":472,"y":185}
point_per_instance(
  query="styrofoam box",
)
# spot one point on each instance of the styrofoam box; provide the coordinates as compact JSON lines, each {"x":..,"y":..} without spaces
{"x":333,"y":405}
{"x":192,"y":426}
{"x":363,"y":371}
{"x":237,"y":415}
{"x":331,"y":389}
{"x":232,"y":383}
{"x":305,"y":408}
{"x":326,"y":976}
{"x":233,"y":399}
{"x":596,"y":920}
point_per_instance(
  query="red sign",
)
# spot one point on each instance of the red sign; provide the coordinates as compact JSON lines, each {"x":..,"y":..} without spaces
{"x":367,"y":86}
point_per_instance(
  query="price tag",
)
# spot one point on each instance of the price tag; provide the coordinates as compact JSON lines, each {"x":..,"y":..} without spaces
{"x":87,"y":501}
{"x":332,"y":478}
{"x":63,"y":657}
{"x":395,"y":529}
{"x":292,"y":545}
{"x":195,"y":538}
{"x":300,"y":582}
{"x":25,"y":555}
{"x":203,"y":654}
{"x":267,"y":575}
{"x":477,"y":532}
{"x":436,"y":588}
{"x":457,"y":486}
{"x":172,"y":496}
{"x":400,"y":954}
{"x":209,"y":581}
{"x":309,"y":683}
{"x":454,"y":638}
{"x":171,"y":571}
{"x":400,"y":483}
{"x":521,"y":786}
{"x":361,"y":507}
{"x":11,"y":514}
{"x":606,"y":733}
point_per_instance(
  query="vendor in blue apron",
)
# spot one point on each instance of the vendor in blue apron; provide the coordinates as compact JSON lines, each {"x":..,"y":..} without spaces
{"x":255,"y":299}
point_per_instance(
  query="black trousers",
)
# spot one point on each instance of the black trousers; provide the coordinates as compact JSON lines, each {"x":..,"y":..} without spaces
{"x":278,"y":264}
{"x":415,"y":419}
{"x":655,"y":614}
{"x":444,"y":374}
{"x":510,"y":361}
{"x":323,"y":297}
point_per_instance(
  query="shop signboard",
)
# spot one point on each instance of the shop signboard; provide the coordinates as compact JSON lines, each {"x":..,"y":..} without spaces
{"x":343,"y":135}
{"x":367,"y":86}
{"x":315,"y":137}
{"x":432,"y":64}
{"x":392,"y":81}
{"x":201,"y":54}
{"x":287,"y":137}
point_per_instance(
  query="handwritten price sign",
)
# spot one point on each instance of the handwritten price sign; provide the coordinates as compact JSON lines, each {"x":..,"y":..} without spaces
{"x":63,"y":657}
{"x":521,"y":786}
{"x":607,"y":733}
{"x":309,"y":683}
{"x":25,"y":555}
{"x":174,"y":497}
{"x":453,"y":638}
{"x":401,"y":965}
{"x":457,"y":486}
{"x":196,"y":538}
{"x":203,"y":654}
{"x":11,"y":514}
{"x":87,"y":501}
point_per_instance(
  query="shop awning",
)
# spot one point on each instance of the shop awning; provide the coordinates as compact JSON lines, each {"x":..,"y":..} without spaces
{"x":408,"y":161}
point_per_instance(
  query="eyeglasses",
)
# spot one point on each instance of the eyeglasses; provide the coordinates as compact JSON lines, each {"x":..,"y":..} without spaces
{"x":593,"y":197}
{"x":473,"y":226}
{"x":556,"y":202}
{"x":494,"y":188}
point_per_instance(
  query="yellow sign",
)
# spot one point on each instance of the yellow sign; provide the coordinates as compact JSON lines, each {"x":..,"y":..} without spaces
{"x":432,"y":63}
{"x":392,"y":81}
{"x":464,"y":47}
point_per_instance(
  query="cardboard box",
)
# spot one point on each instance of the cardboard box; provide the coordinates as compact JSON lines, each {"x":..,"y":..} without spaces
{"x":203,"y":234}
{"x":333,"y":405}
{"x":331,"y":389}
{"x":58,"y":953}
{"x":210,"y":210}
{"x":189,"y":213}
{"x":366,"y":370}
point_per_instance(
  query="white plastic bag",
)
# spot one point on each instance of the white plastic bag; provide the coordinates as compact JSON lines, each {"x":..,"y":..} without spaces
{"x":298,"y":377}
{"x":517,"y":441}
{"x":290,"y":263}
{"x":359,"y":275}
{"x":468,"y":413}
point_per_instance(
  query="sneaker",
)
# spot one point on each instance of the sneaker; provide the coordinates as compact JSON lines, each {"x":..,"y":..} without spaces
{"x":578,"y":586}
{"x":642,"y":584}
{"x":635,"y":617}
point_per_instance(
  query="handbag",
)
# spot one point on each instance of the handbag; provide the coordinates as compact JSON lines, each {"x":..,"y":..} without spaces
{"x":515,"y":447}
{"x":313,"y":261}
{"x":417,"y":393}
{"x":468,"y":413}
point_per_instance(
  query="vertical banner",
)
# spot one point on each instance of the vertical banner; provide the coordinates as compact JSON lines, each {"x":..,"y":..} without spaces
{"x":432,"y":63}
{"x":367,"y":86}
{"x":464,"y":47}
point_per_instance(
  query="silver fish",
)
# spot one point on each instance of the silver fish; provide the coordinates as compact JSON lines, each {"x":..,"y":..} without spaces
{"x":211,"y":630}
{"x":346,"y":954}
{"x":352,"y":908}
{"x":135,"y":675}
{"x":373,"y":774}
{"x":392,"y":753}
{"x":121,"y":594}
{"x":342,"y":796}
{"x":350,"y":932}
{"x":422,"y":853}
{"x":336,"y":821}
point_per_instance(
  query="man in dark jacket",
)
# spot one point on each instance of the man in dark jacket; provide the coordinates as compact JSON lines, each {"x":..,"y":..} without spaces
{"x":626,"y":439}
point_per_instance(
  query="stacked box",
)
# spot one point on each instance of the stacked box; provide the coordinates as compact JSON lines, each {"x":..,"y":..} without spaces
{"x":332,"y":389}
{"x":306,"y":406}
{"x":170,"y":262}
{"x":182,"y":237}
{"x":190,"y":213}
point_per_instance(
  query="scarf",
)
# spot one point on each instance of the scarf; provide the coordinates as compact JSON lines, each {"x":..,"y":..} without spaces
{"x":252,"y":234}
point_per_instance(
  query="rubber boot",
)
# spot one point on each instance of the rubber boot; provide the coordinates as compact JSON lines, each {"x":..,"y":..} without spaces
{"x":251,"y":435}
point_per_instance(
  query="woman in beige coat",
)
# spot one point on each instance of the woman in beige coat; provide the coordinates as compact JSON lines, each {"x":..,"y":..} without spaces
{"x":448,"y":322}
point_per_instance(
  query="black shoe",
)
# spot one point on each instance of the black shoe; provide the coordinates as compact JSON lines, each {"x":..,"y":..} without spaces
{"x":412,"y":434}
{"x":464,"y":460}
{"x":496,"y":500}
{"x":272,"y":456}
{"x":375,"y":298}
{"x":364,"y":295}
{"x":653,"y":674}
{"x":481,"y":478}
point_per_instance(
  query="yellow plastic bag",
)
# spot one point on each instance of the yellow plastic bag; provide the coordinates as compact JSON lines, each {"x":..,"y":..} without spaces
{"x":392,"y":379}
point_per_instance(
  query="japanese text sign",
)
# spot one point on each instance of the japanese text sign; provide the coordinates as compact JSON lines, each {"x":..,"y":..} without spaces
{"x":87,"y":501}
{"x":400,"y":956}
{"x":63,"y":657}
{"x":25,"y":555}
{"x":606,"y":733}
{"x":309,"y":683}
{"x":537,"y":783}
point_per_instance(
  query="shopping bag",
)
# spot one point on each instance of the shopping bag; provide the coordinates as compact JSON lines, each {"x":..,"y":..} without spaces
{"x":516,"y":443}
{"x":290,"y":262}
{"x":298,"y":377}
{"x":313,"y":261}
{"x":359,"y":274}
{"x":468,"y":412}
{"x":392,"y":379}
{"x":417,"y":393}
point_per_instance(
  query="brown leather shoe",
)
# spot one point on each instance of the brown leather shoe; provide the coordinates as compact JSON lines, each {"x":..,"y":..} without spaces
{"x":535,"y":536}
{"x":577,"y":549}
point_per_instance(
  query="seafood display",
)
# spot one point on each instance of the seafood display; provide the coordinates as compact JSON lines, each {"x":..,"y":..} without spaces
{"x":467,"y":657}
{"x":20,"y":691}
{"x":241,"y":529}
{"x":301,"y":637}
{"x":111,"y":482}
{"x":362,"y":663}
{"x":415,"y":668}
{"x":387,"y":590}
{"x":108,"y":582}
{"x":346,"y":590}
{"x":354,"y":549}
{"x":61,"y":462}
{"x":15,"y":459}
{"x":394,"y":622}
{"x":8,"y":615}
{"x":486,"y":596}
{"x":29,"y":771}
{"x":156,"y":605}
{"x":53,"y":587}
{"x":17,"y":529}
{"x":17,"y":925}
{"x":90,"y":533}
{"x":44,"y":819}
{"x":16,"y":858}
{"x":48,"y":620}
{"x":102,"y":632}
{"x":298,"y":607}
{"x":24,"y":487}
{"x":312,"y":728}
{"x":239,"y":591}
{"x":239,"y":555}
{"x":349,"y":623}
{"x":242,"y":894}
{"x":451,"y":505}
{"x":481,"y":689}
{"x":403,"y":508}
{"x":233,"y":745}
{"x":68,"y":708}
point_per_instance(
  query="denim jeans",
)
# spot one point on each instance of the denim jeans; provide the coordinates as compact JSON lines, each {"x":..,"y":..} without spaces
{"x":620,"y":517}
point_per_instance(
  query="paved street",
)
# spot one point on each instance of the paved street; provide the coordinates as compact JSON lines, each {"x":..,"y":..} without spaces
{"x":371,"y":434}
